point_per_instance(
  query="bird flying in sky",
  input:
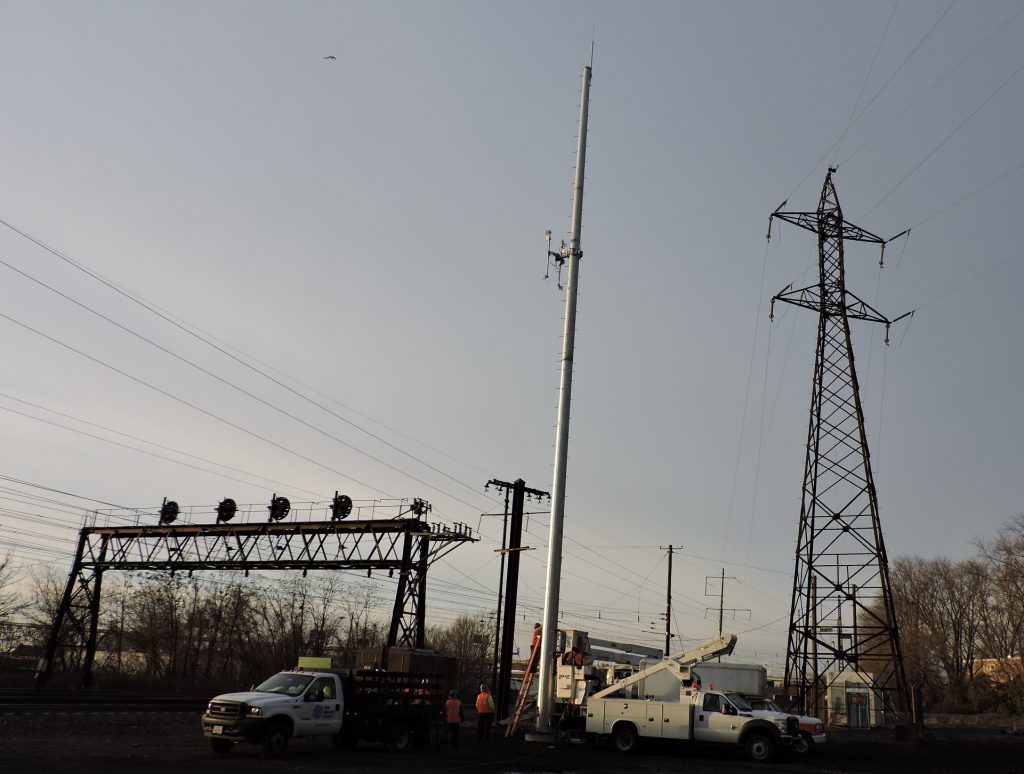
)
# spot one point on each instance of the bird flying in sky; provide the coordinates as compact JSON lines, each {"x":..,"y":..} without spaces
{"x":331,"y":56}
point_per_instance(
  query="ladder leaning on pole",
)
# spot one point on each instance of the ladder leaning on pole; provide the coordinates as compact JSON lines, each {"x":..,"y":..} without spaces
{"x":524,"y":694}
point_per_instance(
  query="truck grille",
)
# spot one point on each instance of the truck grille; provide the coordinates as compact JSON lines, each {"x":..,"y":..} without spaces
{"x":792,"y":726}
{"x":224,"y":709}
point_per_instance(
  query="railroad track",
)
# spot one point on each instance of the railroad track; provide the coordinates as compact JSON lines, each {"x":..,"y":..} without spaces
{"x":19,"y":702}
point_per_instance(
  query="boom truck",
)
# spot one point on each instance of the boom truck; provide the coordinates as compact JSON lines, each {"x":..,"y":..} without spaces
{"x":751,"y":682}
{"x":401,"y":708}
{"x":666,"y":701}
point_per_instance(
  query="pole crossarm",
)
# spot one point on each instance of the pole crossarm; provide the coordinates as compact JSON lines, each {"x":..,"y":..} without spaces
{"x":404,"y":547}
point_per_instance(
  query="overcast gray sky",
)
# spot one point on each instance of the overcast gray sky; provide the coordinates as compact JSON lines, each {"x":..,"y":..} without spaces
{"x":373,"y":228}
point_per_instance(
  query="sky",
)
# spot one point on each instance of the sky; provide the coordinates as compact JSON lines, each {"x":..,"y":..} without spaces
{"x":368,"y":231}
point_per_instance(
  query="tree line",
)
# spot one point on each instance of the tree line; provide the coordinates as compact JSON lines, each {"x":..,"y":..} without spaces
{"x":962,"y":625}
{"x":175,"y":632}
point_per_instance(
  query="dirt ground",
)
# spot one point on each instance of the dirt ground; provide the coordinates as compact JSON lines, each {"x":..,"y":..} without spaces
{"x":154,"y":743}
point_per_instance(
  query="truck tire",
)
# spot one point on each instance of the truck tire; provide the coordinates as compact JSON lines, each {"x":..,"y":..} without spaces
{"x":400,"y":737}
{"x":274,"y":740}
{"x":625,"y":738}
{"x":222,"y":746}
{"x":803,"y":744}
{"x":760,"y":747}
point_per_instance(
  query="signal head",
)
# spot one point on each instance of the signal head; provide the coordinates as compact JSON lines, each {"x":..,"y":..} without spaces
{"x":226,"y":510}
{"x":168,"y":511}
{"x":279,"y":507}
{"x":341,"y":507}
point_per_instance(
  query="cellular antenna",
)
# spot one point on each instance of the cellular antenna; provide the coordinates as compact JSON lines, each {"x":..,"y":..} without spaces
{"x":558,"y":259}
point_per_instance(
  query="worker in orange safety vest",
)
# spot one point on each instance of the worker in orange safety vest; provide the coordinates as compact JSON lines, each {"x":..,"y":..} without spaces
{"x":453,"y":716}
{"x":484,"y":714}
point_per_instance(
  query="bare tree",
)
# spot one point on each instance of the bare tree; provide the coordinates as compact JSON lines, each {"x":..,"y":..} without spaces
{"x":471,"y":639}
{"x":941,"y":606}
{"x":11,"y":602}
{"x":11,"y":605}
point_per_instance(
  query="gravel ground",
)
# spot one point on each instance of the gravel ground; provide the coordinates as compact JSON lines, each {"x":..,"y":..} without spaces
{"x":154,"y":743}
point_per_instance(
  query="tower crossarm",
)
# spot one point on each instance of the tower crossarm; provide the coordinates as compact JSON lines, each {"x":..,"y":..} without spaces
{"x":810,"y":298}
{"x":809,"y":221}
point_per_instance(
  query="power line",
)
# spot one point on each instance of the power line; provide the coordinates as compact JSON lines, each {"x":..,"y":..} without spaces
{"x":191,"y":330}
{"x":895,"y":72}
{"x":867,"y":77}
{"x":946,"y":139}
{"x":929,"y":90}
{"x":240,"y":389}
{"x":154,"y":454}
{"x":190,"y":405}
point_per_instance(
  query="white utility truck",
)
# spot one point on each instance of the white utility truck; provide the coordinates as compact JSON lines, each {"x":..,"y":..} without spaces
{"x":812,"y":730}
{"x":751,"y":682}
{"x":399,"y":709}
{"x":664,"y":701}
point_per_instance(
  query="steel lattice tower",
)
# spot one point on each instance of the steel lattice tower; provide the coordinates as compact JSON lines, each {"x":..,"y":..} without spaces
{"x":842,"y":618}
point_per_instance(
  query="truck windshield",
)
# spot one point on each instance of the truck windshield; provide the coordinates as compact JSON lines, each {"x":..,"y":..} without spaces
{"x":741,"y":704}
{"x":286,"y":683}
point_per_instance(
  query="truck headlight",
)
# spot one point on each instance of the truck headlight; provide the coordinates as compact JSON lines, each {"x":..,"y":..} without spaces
{"x":255,"y":712}
{"x":819,"y":728}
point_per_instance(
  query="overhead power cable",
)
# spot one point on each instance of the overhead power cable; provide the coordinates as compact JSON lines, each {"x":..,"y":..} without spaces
{"x":1000,"y":28}
{"x":154,"y":454}
{"x":236,"y":387}
{"x":191,"y":405}
{"x":191,"y":331}
{"x":867,"y":77}
{"x":22,"y":482}
{"x":909,"y":105}
{"x":946,"y":139}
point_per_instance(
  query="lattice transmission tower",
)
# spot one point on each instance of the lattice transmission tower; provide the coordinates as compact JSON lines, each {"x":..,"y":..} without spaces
{"x":842,"y":626}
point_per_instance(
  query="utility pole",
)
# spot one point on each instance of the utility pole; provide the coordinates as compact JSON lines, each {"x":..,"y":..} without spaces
{"x":571,"y":255}
{"x":519,"y":492}
{"x":668,"y":600}
{"x":722,"y":609}
{"x":501,"y":584}
{"x":840,"y":554}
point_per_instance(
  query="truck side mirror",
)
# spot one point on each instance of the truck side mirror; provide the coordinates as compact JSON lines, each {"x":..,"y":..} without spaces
{"x":728,"y":709}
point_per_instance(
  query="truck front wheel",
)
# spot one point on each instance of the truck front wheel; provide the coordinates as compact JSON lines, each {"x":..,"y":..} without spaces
{"x":760,"y":747}
{"x":275,"y":740}
{"x":803,"y":744}
{"x":222,"y":746}
{"x":624,"y":738}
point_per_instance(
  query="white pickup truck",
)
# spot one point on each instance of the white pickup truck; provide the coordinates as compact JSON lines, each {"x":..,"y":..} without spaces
{"x":287,"y":705}
{"x":812,"y":730}
{"x":399,"y":709}
{"x":663,"y":702}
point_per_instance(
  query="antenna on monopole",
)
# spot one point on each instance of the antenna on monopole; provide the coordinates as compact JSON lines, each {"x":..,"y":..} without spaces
{"x":558,"y":259}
